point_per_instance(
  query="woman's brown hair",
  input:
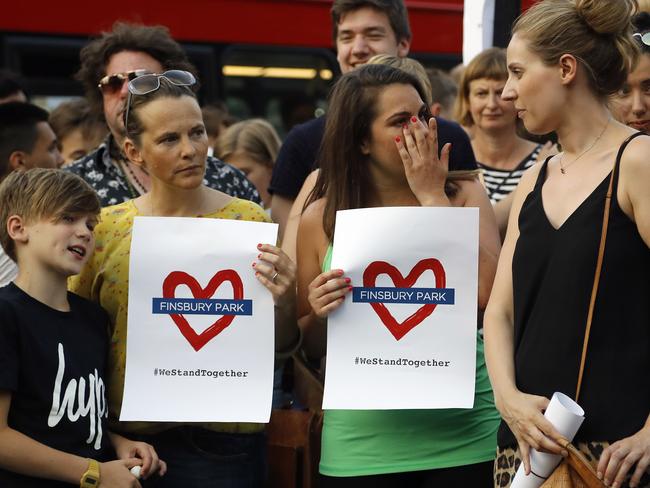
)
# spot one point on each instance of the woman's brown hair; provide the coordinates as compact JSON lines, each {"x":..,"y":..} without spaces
{"x":344,"y":178}
{"x":134,"y":126}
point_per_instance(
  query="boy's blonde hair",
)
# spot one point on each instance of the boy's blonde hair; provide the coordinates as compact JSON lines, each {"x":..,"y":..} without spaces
{"x":41,"y":193}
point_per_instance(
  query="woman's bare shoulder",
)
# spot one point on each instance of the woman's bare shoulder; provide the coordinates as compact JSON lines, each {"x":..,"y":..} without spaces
{"x":635,"y":156}
{"x":314,"y":211}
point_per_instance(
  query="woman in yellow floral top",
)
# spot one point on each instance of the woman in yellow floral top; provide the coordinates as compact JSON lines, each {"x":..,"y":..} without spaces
{"x":166,"y":136}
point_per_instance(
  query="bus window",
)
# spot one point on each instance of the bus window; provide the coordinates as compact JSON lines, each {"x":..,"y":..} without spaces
{"x":285,"y":85}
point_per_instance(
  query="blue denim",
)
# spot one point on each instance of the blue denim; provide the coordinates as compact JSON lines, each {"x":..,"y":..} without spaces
{"x":200,"y":458}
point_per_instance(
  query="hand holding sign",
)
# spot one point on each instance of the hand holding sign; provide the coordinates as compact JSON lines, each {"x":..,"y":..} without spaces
{"x":327,"y":292}
{"x":277,"y":272}
{"x":426,"y":173}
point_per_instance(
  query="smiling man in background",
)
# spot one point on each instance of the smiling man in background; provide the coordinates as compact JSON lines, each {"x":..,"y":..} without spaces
{"x":361,"y":29}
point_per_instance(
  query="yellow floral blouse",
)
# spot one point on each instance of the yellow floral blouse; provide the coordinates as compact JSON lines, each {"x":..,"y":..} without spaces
{"x":105,"y":280}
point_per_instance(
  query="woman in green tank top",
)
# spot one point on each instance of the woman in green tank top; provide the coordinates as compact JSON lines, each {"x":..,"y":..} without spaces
{"x":380,"y":148}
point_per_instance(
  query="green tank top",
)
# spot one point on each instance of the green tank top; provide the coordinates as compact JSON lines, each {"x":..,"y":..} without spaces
{"x":367,"y":442}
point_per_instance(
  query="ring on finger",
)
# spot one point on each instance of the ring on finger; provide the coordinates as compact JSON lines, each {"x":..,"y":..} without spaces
{"x":274,"y":277}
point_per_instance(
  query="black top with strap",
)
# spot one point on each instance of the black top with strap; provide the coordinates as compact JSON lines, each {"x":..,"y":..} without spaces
{"x":553,"y":272}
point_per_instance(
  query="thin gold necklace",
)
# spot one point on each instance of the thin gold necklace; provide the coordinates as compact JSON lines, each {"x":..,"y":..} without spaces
{"x":563,"y":168}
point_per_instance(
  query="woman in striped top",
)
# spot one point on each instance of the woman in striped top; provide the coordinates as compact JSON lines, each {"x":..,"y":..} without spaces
{"x":502,"y":154}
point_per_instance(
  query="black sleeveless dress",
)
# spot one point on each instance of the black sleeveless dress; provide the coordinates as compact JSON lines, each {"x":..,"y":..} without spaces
{"x":553,"y":272}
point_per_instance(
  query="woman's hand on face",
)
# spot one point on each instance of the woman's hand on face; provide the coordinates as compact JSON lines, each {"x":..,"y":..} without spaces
{"x":277,"y":272}
{"x":617,"y":459}
{"x":327,"y":292}
{"x":523,"y":414}
{"x":426,"y":173}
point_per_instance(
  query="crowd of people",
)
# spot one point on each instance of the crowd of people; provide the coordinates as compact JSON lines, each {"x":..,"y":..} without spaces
{"x":548,"y":136}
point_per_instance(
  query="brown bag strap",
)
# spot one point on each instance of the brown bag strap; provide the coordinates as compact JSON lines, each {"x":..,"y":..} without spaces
{"x":599,"y":262}
{"x":594,"y":288}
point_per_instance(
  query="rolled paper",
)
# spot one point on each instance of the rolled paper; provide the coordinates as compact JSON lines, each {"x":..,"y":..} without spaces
{"x":135,"y":471}
{"x":567,"y":417}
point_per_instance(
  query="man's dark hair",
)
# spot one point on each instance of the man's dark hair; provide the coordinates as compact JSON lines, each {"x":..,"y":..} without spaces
{"x":10,"y":83}
{"x":152,"y":40}
{"x":395,"y":10}
{"x":18,"y":130}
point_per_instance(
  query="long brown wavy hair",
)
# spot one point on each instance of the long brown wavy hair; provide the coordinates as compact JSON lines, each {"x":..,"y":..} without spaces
{"x":344,"y":178}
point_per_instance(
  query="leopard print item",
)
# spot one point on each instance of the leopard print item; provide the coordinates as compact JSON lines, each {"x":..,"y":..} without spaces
{"x":507,"y":463}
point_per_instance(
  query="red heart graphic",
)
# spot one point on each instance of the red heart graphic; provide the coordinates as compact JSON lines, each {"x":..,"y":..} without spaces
{"x":375,"y":268}
{"x":175,"y":278}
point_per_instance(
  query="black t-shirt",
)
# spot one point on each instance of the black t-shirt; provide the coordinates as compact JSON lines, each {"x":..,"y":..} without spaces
{"x":298,"y":154}
{"x":53,"y":364}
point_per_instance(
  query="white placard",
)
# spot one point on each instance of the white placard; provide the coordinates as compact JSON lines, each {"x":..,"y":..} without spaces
{"x":200,"y":364}
{"x":420,"y":354}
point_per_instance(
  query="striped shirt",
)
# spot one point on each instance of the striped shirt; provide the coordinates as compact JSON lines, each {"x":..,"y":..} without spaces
{"x":500,"y":182}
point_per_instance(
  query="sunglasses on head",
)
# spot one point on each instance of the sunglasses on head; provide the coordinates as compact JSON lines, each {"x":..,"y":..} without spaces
{"x":644,"y":38}
{"x":150,"y":82}
{"x":113,"y":83}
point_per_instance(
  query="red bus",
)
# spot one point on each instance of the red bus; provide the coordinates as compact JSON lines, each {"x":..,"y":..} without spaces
{"x":258,"y":55}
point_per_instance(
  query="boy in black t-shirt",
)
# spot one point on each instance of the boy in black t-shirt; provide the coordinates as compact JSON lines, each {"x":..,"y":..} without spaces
{"x":53,"y":345}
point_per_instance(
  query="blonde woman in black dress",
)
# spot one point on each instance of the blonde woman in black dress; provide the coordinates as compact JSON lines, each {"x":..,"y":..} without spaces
{"x":566,"y":57}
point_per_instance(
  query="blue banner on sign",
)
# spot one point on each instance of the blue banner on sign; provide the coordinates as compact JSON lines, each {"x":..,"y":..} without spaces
{"x":438,"y":296}
{"x":199,"y":306}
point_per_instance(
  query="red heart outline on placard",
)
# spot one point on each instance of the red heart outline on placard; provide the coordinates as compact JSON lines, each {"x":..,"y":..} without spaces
{"x":376,"y":268}
{"x":175,"y":278}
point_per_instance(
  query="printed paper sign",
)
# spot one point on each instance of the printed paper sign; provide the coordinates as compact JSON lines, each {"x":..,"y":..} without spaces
{"x":200,"y":336}
{"x":405,"y":337}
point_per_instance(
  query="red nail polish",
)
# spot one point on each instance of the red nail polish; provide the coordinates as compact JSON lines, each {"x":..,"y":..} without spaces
{"x":348,"y":280}
{"x":340,"y":271}
{"x":257,"y":273}
{"x":398,"y":138}
{"x":259,"y":256}
{"x":259,"y":246}
{"x":253,"y":265}
{"x":349,"y":288}
{"x":404,"y":126}
{"x":414,"y":119}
